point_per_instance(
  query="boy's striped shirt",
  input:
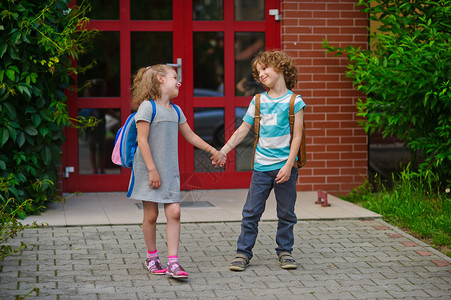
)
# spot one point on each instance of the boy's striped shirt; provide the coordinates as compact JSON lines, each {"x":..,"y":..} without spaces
{"x":273,"y":145}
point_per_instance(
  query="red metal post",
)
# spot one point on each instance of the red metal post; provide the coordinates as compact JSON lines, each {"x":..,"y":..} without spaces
{"x":322,"y":199}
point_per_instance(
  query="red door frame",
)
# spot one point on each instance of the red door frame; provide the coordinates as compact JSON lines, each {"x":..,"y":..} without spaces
{"x":182,"y":27}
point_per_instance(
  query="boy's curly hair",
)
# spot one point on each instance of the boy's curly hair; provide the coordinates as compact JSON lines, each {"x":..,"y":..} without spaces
{"x":145,"y":84}
{"x":281,"y":62}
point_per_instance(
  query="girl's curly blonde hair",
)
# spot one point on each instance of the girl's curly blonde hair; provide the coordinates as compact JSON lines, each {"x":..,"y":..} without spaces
{"x":146,"y":85}
{"x":281,"y":62}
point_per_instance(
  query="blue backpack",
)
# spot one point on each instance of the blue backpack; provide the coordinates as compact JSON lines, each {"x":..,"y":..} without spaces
{"x":126,"y":142}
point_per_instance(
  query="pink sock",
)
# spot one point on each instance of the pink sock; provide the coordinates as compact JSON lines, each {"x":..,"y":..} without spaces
{"x":173,"y":258}
{"x":152,"y":253}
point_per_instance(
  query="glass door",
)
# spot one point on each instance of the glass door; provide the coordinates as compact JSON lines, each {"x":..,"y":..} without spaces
{"x":213,"y":42}
{"x":224,"y":36}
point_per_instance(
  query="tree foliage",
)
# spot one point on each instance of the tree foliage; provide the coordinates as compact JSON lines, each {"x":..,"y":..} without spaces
{"x":406,"y":77}
{"x":39,"y":40}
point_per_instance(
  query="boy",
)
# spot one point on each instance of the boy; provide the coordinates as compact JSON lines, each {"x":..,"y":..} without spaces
{"x":274,"y":157}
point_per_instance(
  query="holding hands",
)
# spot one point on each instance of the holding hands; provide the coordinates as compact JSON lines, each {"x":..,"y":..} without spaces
{"x":218,"y":158}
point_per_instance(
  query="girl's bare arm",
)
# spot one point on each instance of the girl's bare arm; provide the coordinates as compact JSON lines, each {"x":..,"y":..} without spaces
{"x":143,"y":128}
{"x":196,"y":141}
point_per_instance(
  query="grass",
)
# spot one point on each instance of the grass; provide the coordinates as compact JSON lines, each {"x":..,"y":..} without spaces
{"x":411,"y":203}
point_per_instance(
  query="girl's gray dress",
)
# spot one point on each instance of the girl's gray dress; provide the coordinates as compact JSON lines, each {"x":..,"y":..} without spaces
{"x":163,"y":142}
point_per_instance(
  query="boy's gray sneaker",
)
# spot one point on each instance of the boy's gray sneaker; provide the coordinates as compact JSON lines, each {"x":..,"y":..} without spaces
{"x":239,"y":263}
{"x":286,"y":261}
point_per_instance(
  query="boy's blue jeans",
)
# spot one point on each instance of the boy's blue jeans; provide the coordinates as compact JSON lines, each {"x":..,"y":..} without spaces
{"x":261,"y":185}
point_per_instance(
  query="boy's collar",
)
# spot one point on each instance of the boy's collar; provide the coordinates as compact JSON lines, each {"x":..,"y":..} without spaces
{"x":284,"y":95}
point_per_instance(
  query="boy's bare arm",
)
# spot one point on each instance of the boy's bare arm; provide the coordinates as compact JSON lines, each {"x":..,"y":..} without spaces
{"x":237,"y":137}
{"x":297,"y":137}
{"x":285,"y":171}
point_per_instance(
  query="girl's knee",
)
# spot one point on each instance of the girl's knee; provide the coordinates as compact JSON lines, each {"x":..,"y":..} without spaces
{"x":150,"y":214}
{"x":150,"y":219}
{"x":172,"y":211}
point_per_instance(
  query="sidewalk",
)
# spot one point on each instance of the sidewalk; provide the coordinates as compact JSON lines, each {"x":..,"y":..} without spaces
{"x":197,"y":206}
{"x":95,"y":250}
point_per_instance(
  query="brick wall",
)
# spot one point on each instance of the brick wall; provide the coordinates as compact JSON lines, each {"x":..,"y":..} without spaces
{"x":337,"y":147}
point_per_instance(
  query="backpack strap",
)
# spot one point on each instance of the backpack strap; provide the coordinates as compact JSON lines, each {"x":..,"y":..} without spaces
{"x":154,"y":110}
{"x":302,"y":152}
{"x":131,"y":184}
{"x":177,"y":110}
{"x":257,"y":118}
{"x":291,"y":116}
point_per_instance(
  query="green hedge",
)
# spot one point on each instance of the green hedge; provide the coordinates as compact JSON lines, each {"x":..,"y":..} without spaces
{"x":38,"y":43}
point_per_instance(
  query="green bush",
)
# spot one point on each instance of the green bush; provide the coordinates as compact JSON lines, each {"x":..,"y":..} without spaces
{"x":406,"y":78}
{"x":9,"y":226}
{"x":39,"y":41}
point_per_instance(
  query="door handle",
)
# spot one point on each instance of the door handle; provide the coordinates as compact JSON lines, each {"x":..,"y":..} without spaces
{"x":178,"y":65}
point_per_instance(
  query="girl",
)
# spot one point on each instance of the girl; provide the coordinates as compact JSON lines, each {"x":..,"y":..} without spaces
{"x":155,"y":164}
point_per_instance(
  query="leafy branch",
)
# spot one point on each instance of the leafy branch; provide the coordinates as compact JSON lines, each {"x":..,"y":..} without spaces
{"x":405,"y":76}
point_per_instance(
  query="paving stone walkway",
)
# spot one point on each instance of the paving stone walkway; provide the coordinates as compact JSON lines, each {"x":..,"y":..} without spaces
{"x":341,"y":259}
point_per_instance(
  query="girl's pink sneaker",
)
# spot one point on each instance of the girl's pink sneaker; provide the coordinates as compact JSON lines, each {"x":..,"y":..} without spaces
{"x":176,"y":271}
{"x":154,"y":266}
